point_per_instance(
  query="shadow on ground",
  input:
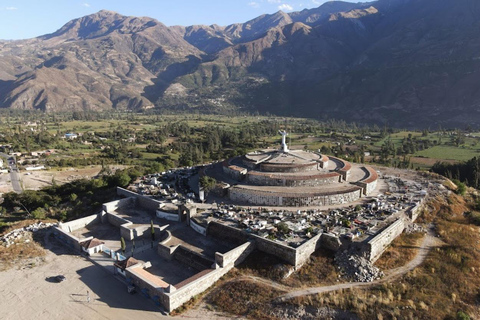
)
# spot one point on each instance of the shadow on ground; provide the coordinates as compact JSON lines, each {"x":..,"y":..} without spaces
{"x":107,"y":289}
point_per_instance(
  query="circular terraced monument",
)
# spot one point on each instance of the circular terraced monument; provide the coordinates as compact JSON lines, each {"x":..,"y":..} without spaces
{"x":286,"y":177}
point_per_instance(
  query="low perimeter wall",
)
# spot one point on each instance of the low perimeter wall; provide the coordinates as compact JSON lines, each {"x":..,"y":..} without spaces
{"x":167,"y":215}
{"x":142,"y":201}
{"x":379,"y":243}
{"x":80,"y":223}
{"x":415,"y":210}
{"x":117,"y":204}
{"x":205,"y":279}
{"x":294,"y":256}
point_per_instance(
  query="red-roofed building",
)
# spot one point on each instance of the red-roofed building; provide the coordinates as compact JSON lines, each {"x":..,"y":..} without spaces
{"x":92,"y":246}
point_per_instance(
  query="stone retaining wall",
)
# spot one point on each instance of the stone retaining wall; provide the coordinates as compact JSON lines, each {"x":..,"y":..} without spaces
{"x":376,"y":246}
{"x":205,"y":279}
{"x":117,"y":204}
{"x":304,"y":251}
{"x":369,"y":183}
{"x":345,"y":167}
{"x":142,"y":201}
{"x":294,"y":256}
{"x":192,"y":258}
{"x":223,"y":232}
{"x":272,"y":179}
{"x":269,"y":167}
{"x":198,"y":227}
{"x":415,"y":210}
{"x":234,"y":256}
{"x":234,"y":172}
{"x":79,"y":223}
{"x":68,"y":239}
{"x":284,"y":199}
{"x":167,"y":215}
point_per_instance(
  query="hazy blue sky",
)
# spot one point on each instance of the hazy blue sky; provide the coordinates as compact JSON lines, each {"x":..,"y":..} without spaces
{"x":21,"y":19}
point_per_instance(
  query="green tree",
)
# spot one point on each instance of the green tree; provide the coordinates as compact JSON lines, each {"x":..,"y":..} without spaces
{"x":123,"y":246}
{"x":152,"y":230}
{"x":73,"y":197}
{"x":283,"y":228}
{"x":39,"y":213}
{"x":207,"y":183}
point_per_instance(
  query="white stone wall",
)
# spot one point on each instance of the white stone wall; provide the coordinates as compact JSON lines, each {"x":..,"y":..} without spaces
{"x":79,"y":223}
{"x":198,"y":228}
{"x":381,"y":241}
{"x":168,"y":216}
{"x":278,"y":180}
{"x":276,"y":199}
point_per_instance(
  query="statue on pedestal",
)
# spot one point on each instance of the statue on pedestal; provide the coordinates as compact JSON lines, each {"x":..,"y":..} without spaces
{"x":284,"y":147}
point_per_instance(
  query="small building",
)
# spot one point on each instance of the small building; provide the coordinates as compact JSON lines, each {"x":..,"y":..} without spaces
{"x":35,"y":168}
{"x":92,"y":246}
{"x":120,"y":266}
{"x":71,"y":136}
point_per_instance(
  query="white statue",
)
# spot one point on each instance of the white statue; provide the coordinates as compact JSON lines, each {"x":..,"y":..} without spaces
{"x":284,"y":143}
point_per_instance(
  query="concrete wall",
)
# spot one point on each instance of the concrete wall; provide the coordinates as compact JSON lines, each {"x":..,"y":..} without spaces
{"x":261,"y":178}
{"x":155,"y":292}
{"x":223,"y":232}
{"x":234,"y":172}
{"x":80,"y":223}
{"x":369,"y":182}
{"x":376,"y":246}
{"x":278,"y":199}
{"x":165,"y":251}
{"x":67,"y":239}
{"x":415,"y":210}
{"x":303,"y":252}
{"x":205,"y":279}
{"x":235,"y":256}
{"x":267,"y":167}
{"x":125,"y":231}
{"x":117,"y":204}
{"x":232,"y":234}
{"x":142,"y":201}
{"x":282,"y":251}
{"x":344,"y":167}
{"x":192,"y":258}
{"x":198,"y":227}
{"x":178,"y":297}
{"x":167,"y":215}
{"x":117,"y":221}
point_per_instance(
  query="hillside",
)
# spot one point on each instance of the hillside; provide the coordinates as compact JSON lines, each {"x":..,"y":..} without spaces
{"x":410,"y":63}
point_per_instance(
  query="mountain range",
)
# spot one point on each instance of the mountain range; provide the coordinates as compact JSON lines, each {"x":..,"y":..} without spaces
{"x":405,"y":63}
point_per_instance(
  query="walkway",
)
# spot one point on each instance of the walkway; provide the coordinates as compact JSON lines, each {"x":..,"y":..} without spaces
{"x":429,"y":242}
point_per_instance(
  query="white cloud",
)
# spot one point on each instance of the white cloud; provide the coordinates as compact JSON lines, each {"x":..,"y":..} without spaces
{"x":317,"y":2}
{"x":11,"y":8}
{"x":86,"y":4}
{"x":253,"y":4}
{"x":274,"y":1}
{"x":285,"y":7}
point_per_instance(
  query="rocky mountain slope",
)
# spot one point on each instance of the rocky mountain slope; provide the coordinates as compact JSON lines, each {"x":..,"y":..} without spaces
{"x":402,"y":62}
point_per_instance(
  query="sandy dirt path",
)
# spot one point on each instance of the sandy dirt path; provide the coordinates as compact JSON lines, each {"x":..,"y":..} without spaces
{"x":429,"y":242}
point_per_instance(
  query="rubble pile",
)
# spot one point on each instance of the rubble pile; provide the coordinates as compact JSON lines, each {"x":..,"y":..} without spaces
{"x":414,"y":228}
{"x":8,"y":239}
{"x":356,"y":267}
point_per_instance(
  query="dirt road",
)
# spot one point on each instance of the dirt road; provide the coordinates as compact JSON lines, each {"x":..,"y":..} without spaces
{"x":429,"y":242}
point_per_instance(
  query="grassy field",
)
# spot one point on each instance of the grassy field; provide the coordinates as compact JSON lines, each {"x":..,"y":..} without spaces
{"x":448,"y":153}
